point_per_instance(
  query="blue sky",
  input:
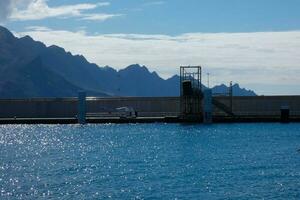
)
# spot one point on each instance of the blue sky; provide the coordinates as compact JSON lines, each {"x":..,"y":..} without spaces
{"x":252,"y":42}
{"x":180,"y":16}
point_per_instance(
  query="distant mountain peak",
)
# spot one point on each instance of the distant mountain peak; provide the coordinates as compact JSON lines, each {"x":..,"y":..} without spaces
{"x":135,"y":68}
{"x":135,"y":65}
{"x":27,"y":37}
{"x":30,"y":41}
{"x":5,"y":34}
{"x":36,"y":70}
{"x":175,"y":78}
{"x":237,"y":90}
{"x":154,"y":73}
{"x":109,"y":69}
{"x":57,"y":48}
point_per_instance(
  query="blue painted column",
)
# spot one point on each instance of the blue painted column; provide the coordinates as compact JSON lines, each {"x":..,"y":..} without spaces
{"x":81,"y":108}
{"x":207,"y":107}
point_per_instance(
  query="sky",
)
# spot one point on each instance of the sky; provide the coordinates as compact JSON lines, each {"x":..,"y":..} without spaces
{"x":255,"y":43}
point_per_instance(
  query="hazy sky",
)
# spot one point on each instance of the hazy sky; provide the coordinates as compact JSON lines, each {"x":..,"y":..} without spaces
{"x":253,"y":42}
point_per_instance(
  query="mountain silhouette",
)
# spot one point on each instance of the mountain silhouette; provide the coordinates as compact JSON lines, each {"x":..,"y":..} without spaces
{"x":236,"y":90}
{"x":29,"y":68}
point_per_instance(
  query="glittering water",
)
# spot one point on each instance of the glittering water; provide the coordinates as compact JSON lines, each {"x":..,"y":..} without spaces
{"x":150,"y":161}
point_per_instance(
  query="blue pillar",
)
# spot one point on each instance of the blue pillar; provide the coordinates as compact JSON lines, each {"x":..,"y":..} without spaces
{"x":81,"y":107}
{"x":207,"y":106}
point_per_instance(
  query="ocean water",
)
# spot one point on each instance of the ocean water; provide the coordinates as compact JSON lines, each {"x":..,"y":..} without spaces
{"x":150,"y":161}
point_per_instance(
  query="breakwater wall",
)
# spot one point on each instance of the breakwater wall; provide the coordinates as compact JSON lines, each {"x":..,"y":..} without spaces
{"x":261,"y":105}
{"x":68,"y":107}
{"x":259,"y":108}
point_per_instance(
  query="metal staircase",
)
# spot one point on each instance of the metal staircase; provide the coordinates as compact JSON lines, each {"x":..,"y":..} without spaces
{"x":223,"y":107}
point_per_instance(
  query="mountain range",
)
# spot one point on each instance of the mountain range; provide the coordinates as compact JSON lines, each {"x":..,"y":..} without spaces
{"x":29,"y":69}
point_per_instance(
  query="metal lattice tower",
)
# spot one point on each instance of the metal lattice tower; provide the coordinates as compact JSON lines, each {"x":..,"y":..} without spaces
{"x":191,"y":91}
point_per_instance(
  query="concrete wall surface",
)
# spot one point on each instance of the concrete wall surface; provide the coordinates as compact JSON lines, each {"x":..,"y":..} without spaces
{"x":38,"y":108}
{"x":262,"y":105}
{"x":140,"y":104}
{"x":67,"y":107}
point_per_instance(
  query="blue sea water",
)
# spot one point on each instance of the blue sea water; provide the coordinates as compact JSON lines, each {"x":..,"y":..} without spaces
{"x":150,"y":161}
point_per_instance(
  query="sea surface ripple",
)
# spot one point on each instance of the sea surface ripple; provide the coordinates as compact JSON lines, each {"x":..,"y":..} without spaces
{"x":150,"y":161}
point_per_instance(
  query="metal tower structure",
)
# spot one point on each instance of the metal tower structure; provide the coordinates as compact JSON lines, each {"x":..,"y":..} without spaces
{"x":191,"y":91}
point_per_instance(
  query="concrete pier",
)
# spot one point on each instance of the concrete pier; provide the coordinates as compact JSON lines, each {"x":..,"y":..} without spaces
{"x":160,"y":109}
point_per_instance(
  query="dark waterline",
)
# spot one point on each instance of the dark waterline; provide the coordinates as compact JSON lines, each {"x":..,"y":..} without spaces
{"x":150,"y":161}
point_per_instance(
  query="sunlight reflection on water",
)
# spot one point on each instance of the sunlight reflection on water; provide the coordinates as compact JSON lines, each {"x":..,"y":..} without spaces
{"x":141,"y":161}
